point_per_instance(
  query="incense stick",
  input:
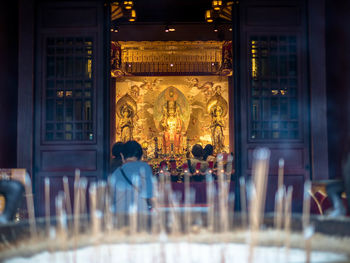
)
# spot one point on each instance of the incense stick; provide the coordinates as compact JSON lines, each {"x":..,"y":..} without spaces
{"x":67,"y":195}
{"x":210,"y":201}
{"x":242,"y":187}
{"x":278,"y":217}
{"x":257,"y":204}
{"x":82,"y":194}
{"x":306,"y":204}
{"x":30,"y":205}
{"x":76,"y":202}
{"x":287,"y":220}
{"x":187,"y":215}
{"x":47,"y":205}
{"x":93,"y":210}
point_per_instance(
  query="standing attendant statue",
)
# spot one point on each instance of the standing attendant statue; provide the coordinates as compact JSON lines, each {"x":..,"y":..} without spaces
{"x":126,"y":111}
{"x":126,"y":124}
{"x":217,"y":128}
{"x":217,"y":109}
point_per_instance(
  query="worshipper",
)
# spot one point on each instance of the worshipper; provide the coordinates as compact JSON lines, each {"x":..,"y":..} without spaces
{"x":132,"y":179}
{"x":208,"y":155}
{"x":197,"y":163}
{"x":336,"y":188}
{"x":117,"y":159}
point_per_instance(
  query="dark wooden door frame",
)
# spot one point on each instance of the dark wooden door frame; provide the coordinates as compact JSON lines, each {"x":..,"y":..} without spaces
{"x":26,"y":61}
{"x":317,"y":85}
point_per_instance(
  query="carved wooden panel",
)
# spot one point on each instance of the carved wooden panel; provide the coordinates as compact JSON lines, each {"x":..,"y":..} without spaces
{"x":69,"y":91}
{"x":273,"y":16}
{"x":273,"y":90}
{"x":74,"y":16}
{"x":68,"y":160}
{"x":294,"y":159}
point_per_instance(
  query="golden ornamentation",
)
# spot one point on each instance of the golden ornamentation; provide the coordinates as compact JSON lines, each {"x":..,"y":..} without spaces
{"x":155,"y":98}
{"x":170,"y":56}
{"x":126,"y":110}
{"x":217,"y":108}
{"x":172,"y":123}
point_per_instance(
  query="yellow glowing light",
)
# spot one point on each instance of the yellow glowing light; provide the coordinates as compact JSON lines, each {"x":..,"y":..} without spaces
{"x":128,"y":4}
{"x":89,"y":68}
{"x":133,"y":16}
{"x":208,"y":16}
{"x":60,"y":93}
{"x":254,"y":68}
{"x":217,"y":4}
{"x":254,"y":60}
{"x":274,"y":92}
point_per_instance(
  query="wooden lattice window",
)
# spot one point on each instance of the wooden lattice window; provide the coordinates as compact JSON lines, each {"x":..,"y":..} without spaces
{"x":69,"y":89}
{"x":274,"y":106}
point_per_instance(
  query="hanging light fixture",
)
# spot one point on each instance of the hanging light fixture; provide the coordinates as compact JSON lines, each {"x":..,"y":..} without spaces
{"x":209,"y":16}
{"x":115,"y":28}
{"x":216,"y":4}
{"x":132,"y":16}
{"x":216,"y":29}
{"x":122,"y":10}
{"x":220,"y":9}
{"x":128,"y":5}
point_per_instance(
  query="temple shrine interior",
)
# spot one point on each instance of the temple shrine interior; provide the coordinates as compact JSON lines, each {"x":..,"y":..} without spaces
{"x":171,"y":95}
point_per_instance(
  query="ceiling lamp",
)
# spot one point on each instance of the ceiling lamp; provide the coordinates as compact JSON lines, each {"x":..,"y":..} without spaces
{"x":128,"y":5}
{"x":220,"y":10}
{"x":122,"y":10}
{"x":169,"y":29}
{"x":209,"y":16}
{"x":114,"y":28}
{"x":216,"y":4}
{"x":132,"y":16}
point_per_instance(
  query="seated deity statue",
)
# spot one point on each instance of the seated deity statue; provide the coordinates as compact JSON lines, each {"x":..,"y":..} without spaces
{"x":172,"y":125}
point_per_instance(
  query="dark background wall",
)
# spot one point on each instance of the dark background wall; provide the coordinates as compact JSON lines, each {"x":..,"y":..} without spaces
{"x":338,"y":81}
{"x":8,"y":83}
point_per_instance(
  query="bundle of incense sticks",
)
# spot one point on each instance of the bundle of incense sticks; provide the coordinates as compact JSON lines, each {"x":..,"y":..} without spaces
{"x":257,"y":202}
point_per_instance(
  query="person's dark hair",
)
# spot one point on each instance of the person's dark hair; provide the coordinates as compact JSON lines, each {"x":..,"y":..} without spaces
{"x":117,"y":149}
{"x":208,"y":150}
{"x":132,"y":149}
{"x":197,"y":151}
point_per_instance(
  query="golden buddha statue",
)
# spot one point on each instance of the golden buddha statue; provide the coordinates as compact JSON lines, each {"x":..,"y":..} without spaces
{"x":171,"y":124}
